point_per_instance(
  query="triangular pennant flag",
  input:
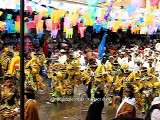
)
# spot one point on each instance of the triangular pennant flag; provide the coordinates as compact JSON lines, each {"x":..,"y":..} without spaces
{"x":18,"y":18}
{"x":9,"y":16}
{"x":49,"y":11}
{"x":82,"y":29}
{"x":17,"y":8}
{"x":69,"y":33}
{"x":48,"y":23}
{"x":31,"y":25}
{"x":54,"y":33}
{"x":17,"y":26}
{"x":80,"y":25}
{"x":29,"y":8}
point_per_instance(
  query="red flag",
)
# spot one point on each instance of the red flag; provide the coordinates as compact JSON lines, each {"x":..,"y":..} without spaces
{"x":31,"y":24}
{"x":154,"y":2}
{"x":80,"y":25}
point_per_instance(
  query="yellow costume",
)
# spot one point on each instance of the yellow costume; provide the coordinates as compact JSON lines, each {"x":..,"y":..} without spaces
{"x":14,"y":64}
{"x":9,"y":101}
{"x":35,"y":69}
{"x":108,"y":66}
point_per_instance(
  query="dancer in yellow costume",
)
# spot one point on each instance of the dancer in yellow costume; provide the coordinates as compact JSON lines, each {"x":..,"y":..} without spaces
{"x":9,"y":99}
{"x":14,"y":64}
{"x":5,"y":58}
{"x":35,"y":69}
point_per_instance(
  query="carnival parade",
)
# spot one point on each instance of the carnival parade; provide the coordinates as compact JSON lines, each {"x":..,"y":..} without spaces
{"x":101,"y":56}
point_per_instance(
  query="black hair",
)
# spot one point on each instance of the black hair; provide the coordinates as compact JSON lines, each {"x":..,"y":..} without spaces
{"x":99,"y":93}
{"x":148,"y":115}
{"x":131,"y":88}
{"x":30,"y":93}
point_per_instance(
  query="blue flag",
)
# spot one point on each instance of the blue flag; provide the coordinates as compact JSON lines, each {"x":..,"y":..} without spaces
{"x":97,"y":27}
{"x":101,"y":47}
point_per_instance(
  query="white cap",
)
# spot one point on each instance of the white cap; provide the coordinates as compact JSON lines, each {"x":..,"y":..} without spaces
{"x":156,"y":101}
{"x":62,"y":50}
{"x":82,"y":68}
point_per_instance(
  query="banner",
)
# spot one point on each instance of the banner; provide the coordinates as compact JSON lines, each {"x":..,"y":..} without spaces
{"x":101,"y":48}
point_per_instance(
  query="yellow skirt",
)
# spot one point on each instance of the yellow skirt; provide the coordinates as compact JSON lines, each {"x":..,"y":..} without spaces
{"x":6,"y":111}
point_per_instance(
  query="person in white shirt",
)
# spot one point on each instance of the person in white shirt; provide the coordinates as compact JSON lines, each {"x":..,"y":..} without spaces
{"x":146,"y":64}
{"x":154,"y":112}
{"x":137,"y":65}
{"x":122,"y":58}
{"x":130,"y":63}
{"x":62,"y":57}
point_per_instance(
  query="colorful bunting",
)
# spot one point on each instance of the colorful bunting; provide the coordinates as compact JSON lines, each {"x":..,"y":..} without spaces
{"x":138,"y":19}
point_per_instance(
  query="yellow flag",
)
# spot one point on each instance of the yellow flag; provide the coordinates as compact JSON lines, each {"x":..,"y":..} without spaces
{"x":69,"y":33}
{"x":115,"y":26}
{"x":149,"y":19}
{"x":40,"y":24}
{"x":17,"y":25}
{"x":87,"y":19}
{"x":74,"y":17}
{"x":56,"y":15}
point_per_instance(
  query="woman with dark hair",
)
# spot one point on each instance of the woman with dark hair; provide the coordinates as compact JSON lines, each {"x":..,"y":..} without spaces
{"x":127,"y":106}
{"x":31,"y":111}
{"x":95,"y":109}
{"x":154,"y":112}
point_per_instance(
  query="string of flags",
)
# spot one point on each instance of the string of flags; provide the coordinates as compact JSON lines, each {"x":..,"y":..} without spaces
{"x":141,"y":20}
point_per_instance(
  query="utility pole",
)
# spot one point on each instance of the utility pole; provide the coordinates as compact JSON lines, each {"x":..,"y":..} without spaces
{"x":22,"y":75}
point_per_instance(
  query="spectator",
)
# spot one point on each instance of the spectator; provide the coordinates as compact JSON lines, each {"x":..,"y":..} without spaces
{"x":31,"y":111}
{"x":154,"y":112}
{"x":95,"y":109}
